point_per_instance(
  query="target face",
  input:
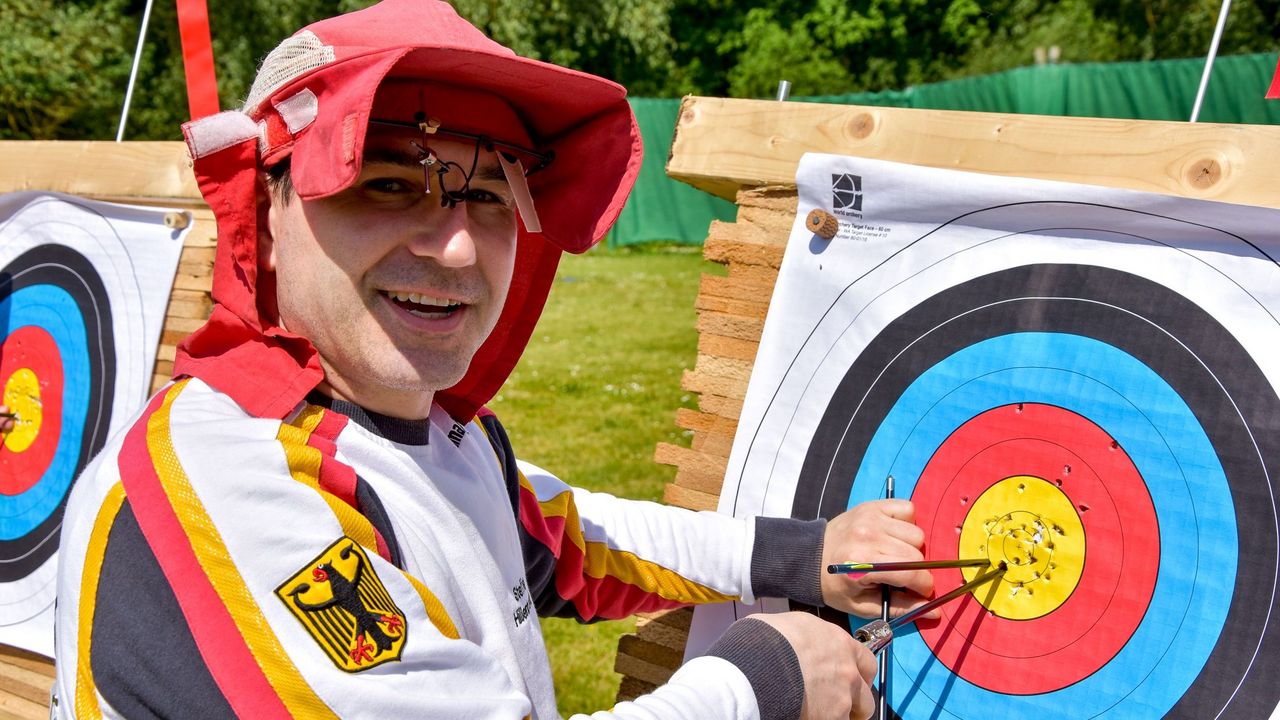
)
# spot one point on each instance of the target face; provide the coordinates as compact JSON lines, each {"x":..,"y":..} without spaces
{"x":1057,"y":386}
{"x":57,"y":366}
{"x":74,"y":361}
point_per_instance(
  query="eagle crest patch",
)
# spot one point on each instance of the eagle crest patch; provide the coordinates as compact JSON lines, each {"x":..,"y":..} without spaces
{"x":343,"y":604}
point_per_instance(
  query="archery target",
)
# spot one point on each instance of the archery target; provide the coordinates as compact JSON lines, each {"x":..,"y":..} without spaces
{"x":1080,"y":391}
{"x":74,"y":361}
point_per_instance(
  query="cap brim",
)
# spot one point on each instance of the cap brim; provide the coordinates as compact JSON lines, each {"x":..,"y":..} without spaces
{"x":583,"y":119}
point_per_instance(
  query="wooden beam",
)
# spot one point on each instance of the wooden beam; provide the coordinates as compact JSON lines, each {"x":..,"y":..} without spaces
{"x":723,"y":145}
{"x":128,"y":172}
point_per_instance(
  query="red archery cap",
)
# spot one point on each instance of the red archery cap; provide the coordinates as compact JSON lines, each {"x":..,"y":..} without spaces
{"x":314,"y":93}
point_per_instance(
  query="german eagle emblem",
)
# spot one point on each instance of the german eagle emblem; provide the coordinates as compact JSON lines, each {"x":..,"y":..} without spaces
{"x":343,"y":604}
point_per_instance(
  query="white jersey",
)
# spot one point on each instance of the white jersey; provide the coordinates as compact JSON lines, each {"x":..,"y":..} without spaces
{"x":350,"y":565}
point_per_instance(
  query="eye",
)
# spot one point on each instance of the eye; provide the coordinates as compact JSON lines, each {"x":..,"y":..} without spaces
{"x":388,"y":186}
{"x":483,"y":196}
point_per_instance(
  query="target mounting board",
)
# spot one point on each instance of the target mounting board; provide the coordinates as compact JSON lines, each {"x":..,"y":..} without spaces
{"x":1078,"y":382}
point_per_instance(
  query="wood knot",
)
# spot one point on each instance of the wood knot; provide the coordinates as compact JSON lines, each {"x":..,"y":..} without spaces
{"x":822,"y":223}
{"x":1204,"y":173}
{"x":862,"y":125}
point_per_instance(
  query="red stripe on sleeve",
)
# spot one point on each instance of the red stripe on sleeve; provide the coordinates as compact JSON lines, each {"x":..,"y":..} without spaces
{"x":606,"y":597}
{"x":225,"y":653}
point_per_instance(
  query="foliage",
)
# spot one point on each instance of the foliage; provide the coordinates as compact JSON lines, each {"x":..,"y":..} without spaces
{"x":64,"y":64}
{"x":58,"y":65}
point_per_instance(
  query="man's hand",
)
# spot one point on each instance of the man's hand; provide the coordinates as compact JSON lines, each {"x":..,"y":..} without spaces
{"x":6,"y":422}
{"x":876,"y":531}
{"x":837,"y":669}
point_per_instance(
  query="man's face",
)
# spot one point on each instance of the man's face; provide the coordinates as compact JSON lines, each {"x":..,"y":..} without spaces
{"x":396,"y":292}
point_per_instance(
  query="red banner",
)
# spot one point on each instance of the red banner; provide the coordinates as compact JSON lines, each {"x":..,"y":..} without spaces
{"x":1274,"y":92}
{"x":197,"y":58}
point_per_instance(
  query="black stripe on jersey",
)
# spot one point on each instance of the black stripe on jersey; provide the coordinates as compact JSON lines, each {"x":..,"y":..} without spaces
{"x":144,"y":659}
{"x":539,"y":562}
{"x":370,"y":505}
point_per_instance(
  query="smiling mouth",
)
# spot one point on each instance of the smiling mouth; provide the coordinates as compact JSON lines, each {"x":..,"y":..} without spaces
{"x":422,"y":305}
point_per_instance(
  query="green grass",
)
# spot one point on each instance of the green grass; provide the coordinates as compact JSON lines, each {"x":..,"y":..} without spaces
{"x":594,"y":393}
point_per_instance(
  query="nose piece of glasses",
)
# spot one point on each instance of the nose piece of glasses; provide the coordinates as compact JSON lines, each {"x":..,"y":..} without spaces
{"x":428,"y":159}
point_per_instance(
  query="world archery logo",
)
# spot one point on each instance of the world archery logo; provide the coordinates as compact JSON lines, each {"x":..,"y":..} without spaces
{"x":846,"y":194}
{"x":343,"y":604}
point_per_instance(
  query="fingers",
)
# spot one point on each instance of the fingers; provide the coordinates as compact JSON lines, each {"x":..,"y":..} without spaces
{"x":904,"y":532}
{"x":863,"y":698}
{"x":902,"y":603}
{"x":896,"y":508}
{"x":835,"y":667}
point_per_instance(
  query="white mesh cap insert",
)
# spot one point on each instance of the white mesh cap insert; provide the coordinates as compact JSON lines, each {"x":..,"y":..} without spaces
{"x":296,"y":56}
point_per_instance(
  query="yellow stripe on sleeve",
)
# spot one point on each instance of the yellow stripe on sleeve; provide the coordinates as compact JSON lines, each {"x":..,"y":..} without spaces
{"x":304,"y":465}
{"x":211,"y":552}
{"x":600,"y":560}
{"x":435,"y":609}
{"x":86,"y":700}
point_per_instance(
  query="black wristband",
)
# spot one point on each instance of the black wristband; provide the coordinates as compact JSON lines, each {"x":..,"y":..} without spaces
{"x":770,"y":664}
{"x":786,"y":560}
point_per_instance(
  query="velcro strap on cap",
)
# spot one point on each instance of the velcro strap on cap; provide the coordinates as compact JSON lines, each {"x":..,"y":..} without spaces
{"x":208,"y":135}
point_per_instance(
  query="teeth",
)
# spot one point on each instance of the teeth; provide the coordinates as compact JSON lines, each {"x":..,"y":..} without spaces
{"x":417,"y":299}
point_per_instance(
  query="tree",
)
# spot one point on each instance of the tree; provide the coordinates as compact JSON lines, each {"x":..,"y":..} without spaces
{"x":58,"y":67}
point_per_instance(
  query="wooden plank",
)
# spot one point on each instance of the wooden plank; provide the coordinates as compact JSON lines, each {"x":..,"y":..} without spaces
{"x":690,"y":419}
{"x":681,"y":618}
{"x":689,"y":499}
{"x":718,"y":405}
{"x":24,"y":683}
{"x":701,"y":382}
{"x":726,"y":347}
{"x":715,"y":444}
{"x":665,"y":635}
{"x":722,"y":145}
{"x":652,"y":652}
{"x":642,"y":669}
{"x":191,"y":304}
{"x":743,"y":250}
{"x":727,"y":325}
{"x":690,"y":460}
{"x":733,"y":287}
{"x":26,"y":659}
{"x":13,"y":707}
{"x":630,"y":688}
{"x":130,"y":172}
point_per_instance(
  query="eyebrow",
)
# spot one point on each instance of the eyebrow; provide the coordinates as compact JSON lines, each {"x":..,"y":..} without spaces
{"x":404,"y":158}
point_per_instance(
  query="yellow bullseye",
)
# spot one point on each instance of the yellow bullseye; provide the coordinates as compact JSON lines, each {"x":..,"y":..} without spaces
{"x":1032,"y":527}
{"x":22,"y":395}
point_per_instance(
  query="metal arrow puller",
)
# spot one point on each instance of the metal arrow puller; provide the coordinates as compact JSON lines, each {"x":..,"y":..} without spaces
{"x":876,"y":634}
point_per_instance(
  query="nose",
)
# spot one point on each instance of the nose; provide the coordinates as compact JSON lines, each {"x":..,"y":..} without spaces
{"x":443,"y":234}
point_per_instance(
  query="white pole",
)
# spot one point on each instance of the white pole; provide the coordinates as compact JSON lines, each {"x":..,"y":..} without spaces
{"x":1208,"y":62}
{"x":133,"y":74}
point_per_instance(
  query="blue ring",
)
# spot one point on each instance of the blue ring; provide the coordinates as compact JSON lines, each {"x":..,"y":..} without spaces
{"x":1118,"y":393}
{"x":53,"y":310}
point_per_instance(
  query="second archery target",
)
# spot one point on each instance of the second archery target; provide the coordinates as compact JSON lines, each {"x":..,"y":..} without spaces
{"x":1077,"y":389}
{"x":83,"y":288}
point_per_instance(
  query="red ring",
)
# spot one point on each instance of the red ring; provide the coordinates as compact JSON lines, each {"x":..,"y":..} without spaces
{"x":1025,"y":657}
{"x":33,"y":348}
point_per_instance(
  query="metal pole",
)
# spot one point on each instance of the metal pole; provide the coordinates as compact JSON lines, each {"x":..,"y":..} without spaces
{"x":133,"y":73}
{"x":784,"y":89}
{"x":882,"y":700}
{"x":1208,"y":62}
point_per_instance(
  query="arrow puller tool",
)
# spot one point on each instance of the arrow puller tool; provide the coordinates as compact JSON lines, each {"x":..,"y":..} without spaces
{"x":876,"y":634}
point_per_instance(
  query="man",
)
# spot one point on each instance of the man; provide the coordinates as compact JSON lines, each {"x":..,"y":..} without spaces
{"x":319,"y":518}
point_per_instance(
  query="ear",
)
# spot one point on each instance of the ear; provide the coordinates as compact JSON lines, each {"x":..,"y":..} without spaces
{"x":267,"y":214}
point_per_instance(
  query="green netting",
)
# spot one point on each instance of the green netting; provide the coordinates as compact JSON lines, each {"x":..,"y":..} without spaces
{"x":662,"y":209}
